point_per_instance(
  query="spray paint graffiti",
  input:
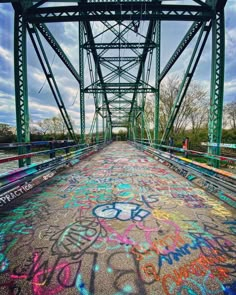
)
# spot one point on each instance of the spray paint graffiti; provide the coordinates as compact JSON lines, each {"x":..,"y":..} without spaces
{"x":119,"y":226}
{"x":121,"y":211}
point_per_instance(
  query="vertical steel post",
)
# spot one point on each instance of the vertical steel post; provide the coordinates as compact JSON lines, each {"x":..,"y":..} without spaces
{"x":81,"y":73}
{"x":136,"y":120}
{"x":142,"y":105}
{"x":103,"y":121}
{"x":97,"y":128}
{"x":96,"y":109}
{"x":110,"y":131}
{"x":21,"y":87}
{"x":157,"y":82}
{"x":217,"y":85}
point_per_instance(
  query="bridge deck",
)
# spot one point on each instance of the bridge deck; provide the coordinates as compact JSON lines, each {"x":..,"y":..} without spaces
{"x":117,"y":223}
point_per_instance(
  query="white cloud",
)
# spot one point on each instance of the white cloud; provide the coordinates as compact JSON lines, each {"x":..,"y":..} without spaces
{"x":6,"y":54}
{"x":37,"y":75}
{"x":7,"y":83}
{"x":231,"y":5}
{"x":230,"y":41}
{"x":52,"y":110}
{"x":230,"y":87}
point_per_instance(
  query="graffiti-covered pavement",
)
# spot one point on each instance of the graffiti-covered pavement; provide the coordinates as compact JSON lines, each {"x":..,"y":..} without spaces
{"x":118,"y":223}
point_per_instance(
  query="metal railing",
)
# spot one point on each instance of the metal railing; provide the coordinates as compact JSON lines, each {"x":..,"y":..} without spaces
{"x":219,"y":182}
{"x":16,"y":182}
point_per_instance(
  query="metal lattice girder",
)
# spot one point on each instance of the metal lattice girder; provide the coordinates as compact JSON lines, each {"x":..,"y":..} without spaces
{"x":110,"y":11}
{"x":217,"y":84}
{"x":119,"y":36}
{"x":120,"y":101}
{"x":198,"y":49}
{"x":81,"y":72}
{"x":97,"y":128}
{"x":122,"y":108}
{"x":157,"y":81}
{"x":121,"y":45}
{"x":21,"y":88}
{"x":120,"y":58}
{"x":50,"y":78}
{"x":89,"y":33}
{"x":118,"y":124}
{"x":124,"y":71}
{"x":149,"y":37}
{"x":118,"y":85}
{"x":57,"y":48}
{"x":120,"y":90}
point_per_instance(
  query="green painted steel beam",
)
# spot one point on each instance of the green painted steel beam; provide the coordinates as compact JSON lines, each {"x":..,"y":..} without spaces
{"x":57,"y":48}
{"x":81,"y":72}
{"x":89,"y":33}
{"x":217,"y":84}
{"x":119,"y":36}
{"x":120,"y":59}
{"x":142,"y":106}
{"x":123,"y":71}
{"x":148,"y":41}
{"x":120,"y":102}
{"x":42,"y":56}
{"x":130,"y":45}
{"x":110,"y":11}
{"x":21,"y":85}
{"x":118,"y":85}
{"x":157,"y":82}
{"x":120,"y":90}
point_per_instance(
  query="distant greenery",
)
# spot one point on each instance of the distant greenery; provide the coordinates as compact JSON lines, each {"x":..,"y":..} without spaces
{"x":6,"y":133}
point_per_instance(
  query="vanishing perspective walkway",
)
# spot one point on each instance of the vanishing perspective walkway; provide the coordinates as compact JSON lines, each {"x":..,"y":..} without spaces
{"x":117,"y":223}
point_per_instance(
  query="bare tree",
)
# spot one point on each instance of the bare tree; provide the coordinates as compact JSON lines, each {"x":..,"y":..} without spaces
{"x":54,"y":126}
{"x":44,"y":126}
{"x":58,"y":125}
{"x":34,"y":127}
{"x":230,"y":114}
{"x":198,"y":105}
{"x":193,"y":113}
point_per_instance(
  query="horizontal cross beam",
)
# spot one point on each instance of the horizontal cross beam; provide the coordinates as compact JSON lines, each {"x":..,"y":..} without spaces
{"x":119,"y":58}
{"x":114,"y":11}
{"x":120,"y":45}
{"x":121,"y":90}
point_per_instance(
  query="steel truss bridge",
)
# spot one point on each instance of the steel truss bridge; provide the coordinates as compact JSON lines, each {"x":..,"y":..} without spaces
{"x":119,"y":59}
{"x":131,"y":217}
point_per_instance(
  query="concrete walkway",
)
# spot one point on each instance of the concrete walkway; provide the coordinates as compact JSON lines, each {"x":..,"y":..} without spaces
{"x":118,"y":223}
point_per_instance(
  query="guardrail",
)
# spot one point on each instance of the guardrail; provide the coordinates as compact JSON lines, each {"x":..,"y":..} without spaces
{"x":51,"y":152}
{"x":16,"y":182}
{"x":218,"y":182}
{"x":188,"y":152}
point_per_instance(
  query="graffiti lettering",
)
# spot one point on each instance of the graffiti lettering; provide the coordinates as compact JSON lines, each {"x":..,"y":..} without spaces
{"x":121,"y":211}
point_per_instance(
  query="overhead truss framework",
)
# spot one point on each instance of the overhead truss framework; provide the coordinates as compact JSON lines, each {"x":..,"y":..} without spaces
{"x":119,"y":48}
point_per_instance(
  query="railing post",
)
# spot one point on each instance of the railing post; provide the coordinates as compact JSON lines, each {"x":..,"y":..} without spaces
{"x":21,"y":86}
{"x":157,"y":82}
{"x":81,"y":73}
{"x":217,"y":85}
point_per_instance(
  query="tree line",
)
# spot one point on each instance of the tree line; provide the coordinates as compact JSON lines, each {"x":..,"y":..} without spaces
{"x":191,"y":121}
{"x":192,"y":118}
{"x":46,"y":129}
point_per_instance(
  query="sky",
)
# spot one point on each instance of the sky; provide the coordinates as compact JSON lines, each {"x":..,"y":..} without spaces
{"x":41,"y":101}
